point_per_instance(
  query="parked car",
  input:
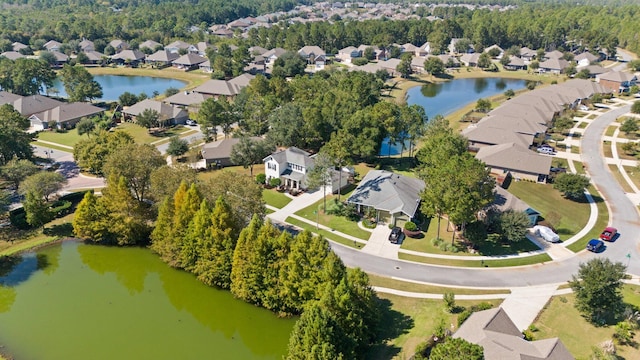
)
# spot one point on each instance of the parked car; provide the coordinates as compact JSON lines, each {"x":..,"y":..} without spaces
{"x":546,"y":150}
{"x":191,"y":122}
{"x":608,"y":234}
{"x":546,"y":233}
{"x":557,"y":170}
{"x":595,"y":245}
{"x":395,"y":235}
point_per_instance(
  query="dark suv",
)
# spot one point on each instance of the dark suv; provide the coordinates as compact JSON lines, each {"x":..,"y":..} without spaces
{"x":395,"y":235}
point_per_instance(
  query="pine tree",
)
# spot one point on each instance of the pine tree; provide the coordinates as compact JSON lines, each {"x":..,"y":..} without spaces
{"x":314,"y":335}
{"x":127,"y":217}
{"x":275,"y":255}
{"x":89,"y":220}
{"x":197,"y":233}
{"x":216,"y":249}
{"x":242,"y":257}
{"x":186,"y":204}
{"x":162,"y":237}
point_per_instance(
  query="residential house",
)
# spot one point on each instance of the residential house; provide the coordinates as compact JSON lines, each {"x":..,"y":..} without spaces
{"x":86,"y":45}
{"x":617,"y":81}
{"x":8,"y":98}
{"x":449,"y":61}
{"x":150,"y":44}
{"x":188,"y":61}
{"x":310,"y":53}
{"x":129,"y":57}
{"x":229,"y":88}
{"x":452,"y":47}
{"x":201,"y":48}
{"x":517,"y":160}
{"x":527,"y":54}
{"x":61,"y":58}
{"x":242,"y":24}
{"x":390,"y":66}
{"x":12,"y":55}
{"x":594,"y":70}
{"x":186,"y":99}
{"x":17,"y":46}
{"x":585,"y":59}
{"x":257,"y":50}
{"x":408,"y":48}
{"x":424,"y":49}
{"x":161,"y":58}
{"x":395,"y":198}
{"x":485,"y":135}
{"x":470,"y":60}
{"x":206,"y":66}
{"x":349,"y":53}
{"x":555,"y":54}
{"x":167,"y":113}
{"x":553,"y":65}
{"x":94,"y":57}
{"x":272,"y":55}
{"x":495,"y":46}
{"x":218,"y":153}
{"x":29,"y":105}
{"x":52,"y":45}
{"x":119,"y":45}
{"x":292,"y":165}
{"x":223,"y":32}
{"x":417,"y":64}
{"x":63,"y":116}
{"x":505,"y":200}
{"x":515,"y":63}
{"x":320,"y":61}
{"x":177,"y":46}
{"x":501,"y":339}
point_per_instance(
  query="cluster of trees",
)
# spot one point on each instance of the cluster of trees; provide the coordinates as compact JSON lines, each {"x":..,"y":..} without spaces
{"x":457,"y":184}
{"x":270,"y":268}
{"x":25,"y":76}
{"x":79,"y":83}
{"x":15,"y":142}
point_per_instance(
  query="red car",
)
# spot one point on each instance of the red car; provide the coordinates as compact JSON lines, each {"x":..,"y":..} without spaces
{"x":608,"y":233}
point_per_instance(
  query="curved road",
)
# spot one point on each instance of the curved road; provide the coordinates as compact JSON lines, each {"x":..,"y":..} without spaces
{"x":623,"y":212}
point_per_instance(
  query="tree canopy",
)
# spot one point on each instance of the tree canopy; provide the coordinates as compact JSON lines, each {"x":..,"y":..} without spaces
{"x":79,"y":83}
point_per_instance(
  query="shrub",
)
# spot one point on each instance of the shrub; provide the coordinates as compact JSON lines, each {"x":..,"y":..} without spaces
{"x":410,"y":226}
{"x":467,"y":312}
{"x":369,"y":224}
{"x":528,"y":335}
{"x":449,"y":299}
{"x":359,"y":61}
{"x":61,"y":208}
{"x":261,"y":179}
{"x":275,"y":182}
{"x":436,"y":242}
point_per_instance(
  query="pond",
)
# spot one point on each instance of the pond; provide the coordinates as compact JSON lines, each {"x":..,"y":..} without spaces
{"x":446,"y":97}
{"x":115,"y":85}
{"x":77,"y":301}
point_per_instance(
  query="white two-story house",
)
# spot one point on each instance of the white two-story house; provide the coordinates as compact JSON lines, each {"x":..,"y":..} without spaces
{"x":292,"y":165}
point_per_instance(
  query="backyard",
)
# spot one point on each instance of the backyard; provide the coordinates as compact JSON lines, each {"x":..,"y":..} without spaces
{"x":316,"y":213}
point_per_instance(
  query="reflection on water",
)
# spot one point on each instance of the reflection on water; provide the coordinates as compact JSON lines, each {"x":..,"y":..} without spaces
{"x":480,"y":85}
{"x":501,"y":85}
{"x":431,"y":90}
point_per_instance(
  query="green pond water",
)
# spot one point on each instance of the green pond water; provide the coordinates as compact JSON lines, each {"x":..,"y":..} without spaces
{"x":76,"y":301}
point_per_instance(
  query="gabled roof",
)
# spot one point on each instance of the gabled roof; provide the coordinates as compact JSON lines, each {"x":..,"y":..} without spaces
{"x":505,"y":200}
{"x":554,"y":64}
{"x":514,"y":123}
{"x":118,"y":43}
{"x":494,"y":46}
{"x":162,"y":56}
{"x":190,"y":59}
{"x":222,"y":148}
{"x":60,"y":57}
{"x":166,"y":111}
{"x":202,"y":46}
{"x":185,"y":98}
{"x":150,"y":44}
{"x":12,"y":55}
{"x":486,"y":133}
{"x":67,"y":112}
{"x":514,"y":109}
{"x":384,"y":190}
{"x":86,"y":44}
{"x":594,"y":69}
{"x":8,"y":98}
{"x":470,"y":58}
{"x":132,"y":55}
{"x":308,"y":50}
{"x":275,"y":52}
{"x":222,"y":87}
{"x":94,"y":55}
{"x":409,"y":47}
{"x":515,"y":157}
{"x":51,"y":44}
{"x":391,"y":64}
{"x":179,"y":44}
{"x":292,"y":155}
{"x":586,"y":56}
{"x":258,"y":50}
{"x":618,"y":76}
{"x":526,"y":52}
{"x":555,"y":54}
{"x":348,"y":50}
{"x":585,"y":88}
{"x":515,"y":61}
{"x":17,"y":46}
{"x":28,"y":105}
{"x":501,"y":340}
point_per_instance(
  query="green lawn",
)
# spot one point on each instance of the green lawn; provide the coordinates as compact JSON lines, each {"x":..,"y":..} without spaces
{"x":338,"y":223}
{"x":389,"y":283}
{"x":54,"y":230}
{"x":527,"y":260}
{"x":566,"y":216}
{"x":561,"y":319}
{"x":601,"y":223}
{"x":634,"y":174}
{"x":326,"y":234}
{"x":583,"y":124}
{"x":69,"y":138}
{"x":49,"y":146}
{"x":141,"y":134}
{"x":622,"y":154}
{"x":274,"y":198}
{"x":615,"y":171}
{"x":409,"y":322}
{"x":610,"y":130}
{"x":560,"y":162}
{"x":579,"y":167}
{"x":606,"y":149}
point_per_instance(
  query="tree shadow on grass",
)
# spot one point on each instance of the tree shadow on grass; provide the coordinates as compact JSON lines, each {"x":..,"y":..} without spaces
{"x":392,"y":324}
{"x":62,"y":230}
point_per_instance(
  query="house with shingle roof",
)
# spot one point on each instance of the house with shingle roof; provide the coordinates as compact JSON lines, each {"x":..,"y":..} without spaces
{"x":63,"y":116}
{"x":52,"y":45}
{"x":495,"y":46}
{"x":527,"y":54}
{"x":231,"y":88}
{"x":29,"y":105}
{"x":12,"y":55}
{"x":554,"y":65}
{"x":486,"y":134}
{"x":617,"y":81}
{"x":394,"y":197}
{"x":585,"y":59}
{"x":515,"y":63}
{"x":94,"y":57}
{"x":188,"y":61}
{"x":131,"y":57}
{"x":186,"y":99}
{"x":272,"y":55}
{"x":17,"y":46}
{"x":424,"y":49}
{"x":8,"y":98}
{"x":218,"y":153}
{"x":168,"y":113}
{"x":178,"y":45}
{"x":494,"y":330}
{"x":150,"y":44}
{"x":555,"y":54}
{"x":470,"y":59}
{"x":517,"y":160}
{"x":310,"y":53}
{"x":161,"y":58}
{"x":119,"y":45}
{"x":86,"y":45}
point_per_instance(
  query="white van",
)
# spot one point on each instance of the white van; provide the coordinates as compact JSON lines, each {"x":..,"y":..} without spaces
{"x":546,"y":150}
{"x":546,"y":233}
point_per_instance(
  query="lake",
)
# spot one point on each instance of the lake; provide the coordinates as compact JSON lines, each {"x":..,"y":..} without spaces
{"x":114,"y":85}
{"x":76,"y":301}
{"x":446,"y":97}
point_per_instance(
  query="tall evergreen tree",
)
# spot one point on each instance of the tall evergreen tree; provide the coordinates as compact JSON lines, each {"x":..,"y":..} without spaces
{"x":127,"y":216}
{"x":162,"y":237}
{"x":36,"y":209}
{"x":314,"y":335}
{"x":242,"y":258}
{"x":197,"y":233}
{"x":89,"y":219}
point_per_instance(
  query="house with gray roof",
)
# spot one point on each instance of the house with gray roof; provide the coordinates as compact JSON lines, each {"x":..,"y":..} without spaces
{"x":94,"y":57}
{"x":505,"y":200}
{"x":52,"y":45}
{"x":515,"y":63}
{"x":555,"y":54}
{"x":617,"y":81}
{"x":186,"y":99}
{"x":167,"y":113}
{"x":272,"y":55}
{"x":470,"y":59}
{"x":494,"y":330}
{"x":554,"y":66}
{"x":17,"y":46}
{"x":487,"y":134}
{"x":218,"y":153}
{"x":394,"y":197}
{"x":231,"y":88}
{"x":585,"y":59}
{"x":119,"y":45}
{"x":12,"y":55}
{"x":29,"y":105}
{"x":150,"y":44}
{"x":86,"y":45}
{"x":161,"y":58}
{"x":527,"y":54}
{"x":64,"y":116}
{"x":310,"y":53}
{"x":8,"y":98}
{"x":131,"y":57}
{"x":178,"y":45}
{"x":517,"y":160}
{"x":188,"y":61}
{"x":61,"y":58}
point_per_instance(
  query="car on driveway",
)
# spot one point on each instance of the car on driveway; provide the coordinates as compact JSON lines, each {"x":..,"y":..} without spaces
{"x":191,"y":122}
{"x":608,"y":234}
{"x":595,"y":245}
{"x":396,"y":234}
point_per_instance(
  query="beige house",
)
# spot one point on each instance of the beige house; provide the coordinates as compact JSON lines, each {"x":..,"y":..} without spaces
{"x":617,"y":81}
{"x":229,"y":88}
{"x":64,"y":116}
{"x":514,"y":159}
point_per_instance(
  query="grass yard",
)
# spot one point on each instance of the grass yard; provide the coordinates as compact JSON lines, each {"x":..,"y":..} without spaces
{"x":338,"y":223}
{"x":610,"y":130}
{"x":575,"y":149}
{"x":257,"y":169}
{"x":560,"y":162}
{"x":561,"y":319}
{"x":592,"y":116}
{"x":583,"y":125}
{"x":566,"y":216}
{"x":142,"y":136}
{"x":619,"y":178}
{"x":634,"y":174}
{"x":579,"y":167}
{"x":275,"y":198}
{"x":326,"y":234}
{"x":606,"y":149}
{"x":601,"y":223}
{"x":50,"y":146}
{"x":409,"y":322}
{"x":54,"y":231}
{"x":622,"y":154}
{"x":390,"y":283}
{"x":527,"y":260}
{"x":68,"y":138}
